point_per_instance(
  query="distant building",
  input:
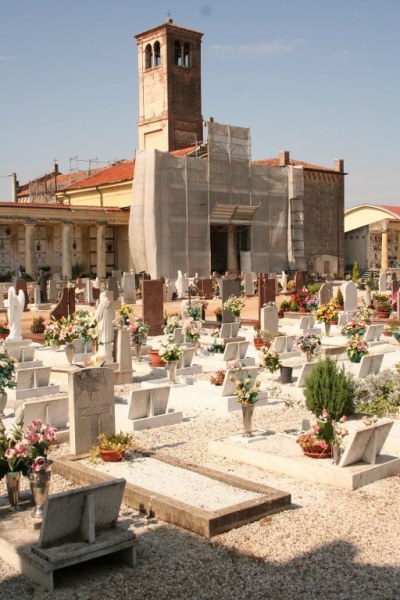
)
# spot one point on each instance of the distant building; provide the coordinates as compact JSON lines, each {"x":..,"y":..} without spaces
{"x":192,"y":204}
{"x":372,"y":236}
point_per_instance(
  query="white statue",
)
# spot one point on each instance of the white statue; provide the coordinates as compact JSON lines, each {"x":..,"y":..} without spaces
{"x":16,"y":305}
{"x":104,"y":315}
{"x":284,"y":282}
{"x":179,"y":284}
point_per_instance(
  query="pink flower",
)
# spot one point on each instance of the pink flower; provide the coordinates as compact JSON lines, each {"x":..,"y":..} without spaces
{"x":343,"y":419}
{"x":37,"y":423}
{"x":21,"y":448}
{"x":32,"y":437}
{"x":50,"y":434}
{"x":10,"y":453}
{"x":39,"y":464}
{"x":315,"y":427}
{"x":325,"y":413}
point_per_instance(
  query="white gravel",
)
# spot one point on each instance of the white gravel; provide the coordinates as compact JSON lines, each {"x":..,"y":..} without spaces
{"x":334,"y":544}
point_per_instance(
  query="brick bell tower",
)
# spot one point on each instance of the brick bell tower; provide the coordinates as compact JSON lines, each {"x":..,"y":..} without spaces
{"x":169,"y":60}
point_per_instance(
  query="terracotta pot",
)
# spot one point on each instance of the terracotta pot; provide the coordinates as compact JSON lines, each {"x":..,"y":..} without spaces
{"x":155,"y":359}
{"x":4,"y":335}
{"x":258,"y":343}
{"x":382,"y":314}
{"x":302,"y":309}
{"x":112,"y":455}
{"x":316,"y":452}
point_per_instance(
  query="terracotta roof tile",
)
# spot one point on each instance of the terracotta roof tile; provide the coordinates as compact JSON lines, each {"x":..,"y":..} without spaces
{"x":274,"y":162}
{"x":393,"y":209}
{"x":121,"y":171}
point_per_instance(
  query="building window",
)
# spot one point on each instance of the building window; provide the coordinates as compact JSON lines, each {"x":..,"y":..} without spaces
{"x":186,"y":55}
{"x":157,"y":54}
{"x":148,"y":61}
{"x":178,"y":54}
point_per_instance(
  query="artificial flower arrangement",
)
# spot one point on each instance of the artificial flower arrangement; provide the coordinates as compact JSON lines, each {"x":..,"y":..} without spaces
{"x":170,"y":351}
{"x":139,"y":330}
{"x":269,"y":360}
{"x":218,"y":377}
{"x":247,"y":389}
{"x":369,"y":420}
{"x":393,"y":301}
{"x":124,"y":313}
{"x":326,"y":313}
{"x":171,"y":324}
{"x":354,"y":327}
{"x":234,"y":305}
{"x":25,"y":450}
{"x":67,"y":331}
{"x":357,"y":347}
{"x":309,"y":343}
{"x":38,"y":324}
{"x":323,"y":434}
{"x":52,"y":332}
{"x":311,"y":303}
{"x":194,"y":310}
{"x":85,"y":325}
{"x":7,"y":369}
{"x":191,"y":329}
{"x":4,"y":328}
{"x":382,"y":303}
{"x":364,"y":313}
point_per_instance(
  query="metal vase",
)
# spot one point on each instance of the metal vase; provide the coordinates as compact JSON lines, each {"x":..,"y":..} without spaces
{"x":335,"y":454}
{"x":3,"y":402}
{"x":39,"y":482}
{"x":172,"y":365}
{"x":327,"y":328}
{"x":138,"y":350}
{"x":247,"y":414}
{"x":13,"y":481}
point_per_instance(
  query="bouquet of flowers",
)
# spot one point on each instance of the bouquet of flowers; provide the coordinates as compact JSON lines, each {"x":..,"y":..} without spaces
{"x":311,"y":303}
{"x":247,"y":389}
{"x":191,"y":329}
{"x":269,"y":360}
{"x":339,"y":432}
{"x":52,"y":332}
{"x":124,"y":313}
{"x":7,"y":369}
{"x":218,"y":377}
{"x":194,"y":310}
{"x":309,"y":343}
{"x":85,"y":325}
{"x":393,"y":301}
{"x":68,"y":331}
{"x":234,"y":305}
{"x":357,"y":347}
{"x":354,"y":327}
{"x":139,"y":331}
{"x":170,"y":351}
{"x":171,"y":324}
{"x":326,"y":313}
{"x":39,"y":437}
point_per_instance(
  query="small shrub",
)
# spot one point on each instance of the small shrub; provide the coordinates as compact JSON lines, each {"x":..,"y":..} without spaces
{"x":329,"y":387}
{"x":313,"y":288}
{"x":339,"y":297}
{"x":378,"y":394}
{"x":356,"y":274}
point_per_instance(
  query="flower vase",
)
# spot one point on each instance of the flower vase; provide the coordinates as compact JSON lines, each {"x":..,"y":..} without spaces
{"x":95,"y":346}
{"x":309,"y":356}
{"x":69,"y":351}
{"x":3,"y":401}
{"x":172,"y":366}
{"x":335,"y":454}
{"x":247,"y":414}
{"x":13,"y":481}
{"x":355,"y":358}
{"x":327,"y":328}
{"x":54,"y":345}
{"x":39,"y":482}
{"x":138,"y":350}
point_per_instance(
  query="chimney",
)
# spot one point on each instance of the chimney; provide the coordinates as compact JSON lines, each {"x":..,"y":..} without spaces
{"x":338,"y":165}
{"x":14,"y":187}
{"x":284,"y":158}
{"x":55,"y":169}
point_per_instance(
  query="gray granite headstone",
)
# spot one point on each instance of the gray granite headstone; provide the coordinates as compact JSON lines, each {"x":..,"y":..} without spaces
{"x":305,"y":370}
{"x":269,"y":318}
{"x":112,"y":286}
{"x":52,"y":290}
{"x":382,"y":282}
{"x":187,"y":357}
{"x":248,"y":284}
{"x":129,"y":286}
{"x":283,"y":343}
{"x":91,"y":407}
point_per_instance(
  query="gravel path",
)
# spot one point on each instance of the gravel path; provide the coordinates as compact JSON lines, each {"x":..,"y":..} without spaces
{"x":334,"y":543}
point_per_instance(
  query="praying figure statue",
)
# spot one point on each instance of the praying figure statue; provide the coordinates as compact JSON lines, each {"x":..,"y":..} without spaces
{"x":16,"y":305}
{"x":284,"y":282}
{"x":104,"y":315}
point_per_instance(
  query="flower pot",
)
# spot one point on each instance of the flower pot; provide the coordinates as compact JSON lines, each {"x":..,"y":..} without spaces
{"x":219,"y":318}
{"x":318,"y":452}
{"x":382,"y":314}
{"x":355,"y":358}
{"x":3,"y":402}
{"x":258,"y":343}
{"x":111,"y":455}
{"x":247,"y":414}
{"x":155,"y":359}
{"x":286,"y":374}
{"x":302,"y":309}
{"x":39,"y":482}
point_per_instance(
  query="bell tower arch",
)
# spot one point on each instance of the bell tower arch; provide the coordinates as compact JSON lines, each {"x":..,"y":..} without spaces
{"x":169,"y":68}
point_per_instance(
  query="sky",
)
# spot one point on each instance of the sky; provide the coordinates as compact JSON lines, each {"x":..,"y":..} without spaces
{"x":319,"y":78}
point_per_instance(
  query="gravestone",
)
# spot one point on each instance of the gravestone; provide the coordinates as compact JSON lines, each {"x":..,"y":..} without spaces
{"x":274,"y":276}
{"x":229,"y":287}
{"x":53,"y":411}
{"x":187,"y":357}
{"x":91,"y":407}
{"x":129,"y":285}
{"x":366,"y":443}
{"x":367,"y":296}
{"x":350,"y":296}
{"x":235,"y":351}
{"x":52,"y":290}
{"x":117,"y":274}
{"x":305,"y":370}
{"x":283,"y":343}
{"x":269,"y":318}
{"x":171,"y":291}
{"x":177,"y":336}
{"x":229,"y":386}
{"x":325,"y":294}
{"x":248,"y":283}
{"x":123,"y":357}
{"x":80,"y":525}
{"x":205,"y":286}
{"x":228,"y":331}
{"x":395,"y":284}
{"x":373,"y":333}
{"x":36,"y":295}
{"x":370,"y":364}
{"x":149,"y":402}
{"x":66,"y":304}
{"x":112,"y":286}
{"x":299,"y":281}
{"x":153,"y":306}
{"x":382,"y":282}
{"x":20,"y":284}
{"x":266,"y":291}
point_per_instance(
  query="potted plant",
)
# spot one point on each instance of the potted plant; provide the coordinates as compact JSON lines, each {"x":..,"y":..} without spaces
{"x":329,"y":387}
{"x":38,"y":325}
{"x":383,"y":306}
{"x":112,"y":447}
{"x":339,"y":299}
{"x":4,"y":329}
{"x":234,"y":305}
{"x":138,"y":331}
{"x":324,"y":438}
{"x":124,"y":313}
{"x":357,"y":347}
{"x":262,"y":338}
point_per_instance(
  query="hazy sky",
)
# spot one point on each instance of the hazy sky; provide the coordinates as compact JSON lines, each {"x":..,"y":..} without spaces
{"x":319,"y":78}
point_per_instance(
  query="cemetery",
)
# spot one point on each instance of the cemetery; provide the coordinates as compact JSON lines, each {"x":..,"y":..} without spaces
{"x":227,"y":436}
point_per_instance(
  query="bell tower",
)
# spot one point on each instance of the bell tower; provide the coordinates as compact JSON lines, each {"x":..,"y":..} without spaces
{"x":169,"y":61}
